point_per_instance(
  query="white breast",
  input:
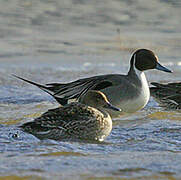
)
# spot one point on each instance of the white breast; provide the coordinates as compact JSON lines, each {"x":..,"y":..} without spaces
{"x":140,"y":101}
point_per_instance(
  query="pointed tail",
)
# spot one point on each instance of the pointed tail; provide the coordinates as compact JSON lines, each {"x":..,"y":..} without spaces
{"x":44,"y":88}
{"x":47,"y":89}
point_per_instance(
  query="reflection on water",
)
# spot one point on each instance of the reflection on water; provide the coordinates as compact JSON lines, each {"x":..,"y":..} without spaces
{"x":59,"y":41}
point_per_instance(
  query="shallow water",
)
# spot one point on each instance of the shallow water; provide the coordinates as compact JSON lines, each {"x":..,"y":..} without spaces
{"x":61,"y":41}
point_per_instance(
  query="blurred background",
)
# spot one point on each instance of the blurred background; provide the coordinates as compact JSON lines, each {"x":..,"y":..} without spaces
{"x":63,"y":40}
{"x":76,"y":27}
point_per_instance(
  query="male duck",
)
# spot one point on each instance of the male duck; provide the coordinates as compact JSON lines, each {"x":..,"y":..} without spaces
{"x":128,"y":92}
{"x":87,"y":120}
{"x":169,"y":95}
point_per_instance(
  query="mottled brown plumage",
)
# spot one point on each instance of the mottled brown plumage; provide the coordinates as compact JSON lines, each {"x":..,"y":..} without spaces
{"x":75,"y":120}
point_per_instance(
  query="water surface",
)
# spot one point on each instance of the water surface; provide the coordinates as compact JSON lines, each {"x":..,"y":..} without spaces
{"x":60,"y":41}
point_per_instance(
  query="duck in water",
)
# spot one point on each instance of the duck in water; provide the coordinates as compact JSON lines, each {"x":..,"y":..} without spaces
{"x":168,"y":94}
{"x":128,"y":92}
{"x":84,"y":120}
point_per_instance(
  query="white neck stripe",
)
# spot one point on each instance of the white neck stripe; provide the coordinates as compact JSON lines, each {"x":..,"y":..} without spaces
{"x":138,"y":72}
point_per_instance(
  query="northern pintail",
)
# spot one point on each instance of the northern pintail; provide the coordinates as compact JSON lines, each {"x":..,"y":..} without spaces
{"x":169,"y":95}
{"x":128,"y":92}
{"x":84,"y":120}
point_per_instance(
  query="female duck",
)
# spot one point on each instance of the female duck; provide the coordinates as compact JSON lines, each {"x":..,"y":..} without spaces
{"x":87,"y":120}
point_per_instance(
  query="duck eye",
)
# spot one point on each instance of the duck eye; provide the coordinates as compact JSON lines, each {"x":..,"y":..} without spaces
{"x":98,"y":98}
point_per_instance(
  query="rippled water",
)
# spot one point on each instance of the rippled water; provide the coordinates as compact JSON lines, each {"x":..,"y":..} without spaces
{"x":59,"y":41}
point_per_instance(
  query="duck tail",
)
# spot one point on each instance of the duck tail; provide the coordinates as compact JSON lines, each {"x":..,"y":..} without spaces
{"x":33,"y":83}
{"x":47,"y":88}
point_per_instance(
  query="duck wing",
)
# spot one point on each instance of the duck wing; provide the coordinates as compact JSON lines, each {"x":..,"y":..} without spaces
{"x":72,"y":119}
{"x":73,"y":90}
{"x":168,"y":94}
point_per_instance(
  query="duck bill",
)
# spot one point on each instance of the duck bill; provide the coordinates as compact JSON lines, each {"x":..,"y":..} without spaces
{"x":110,"y":106}
{"x":162,"y":68}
